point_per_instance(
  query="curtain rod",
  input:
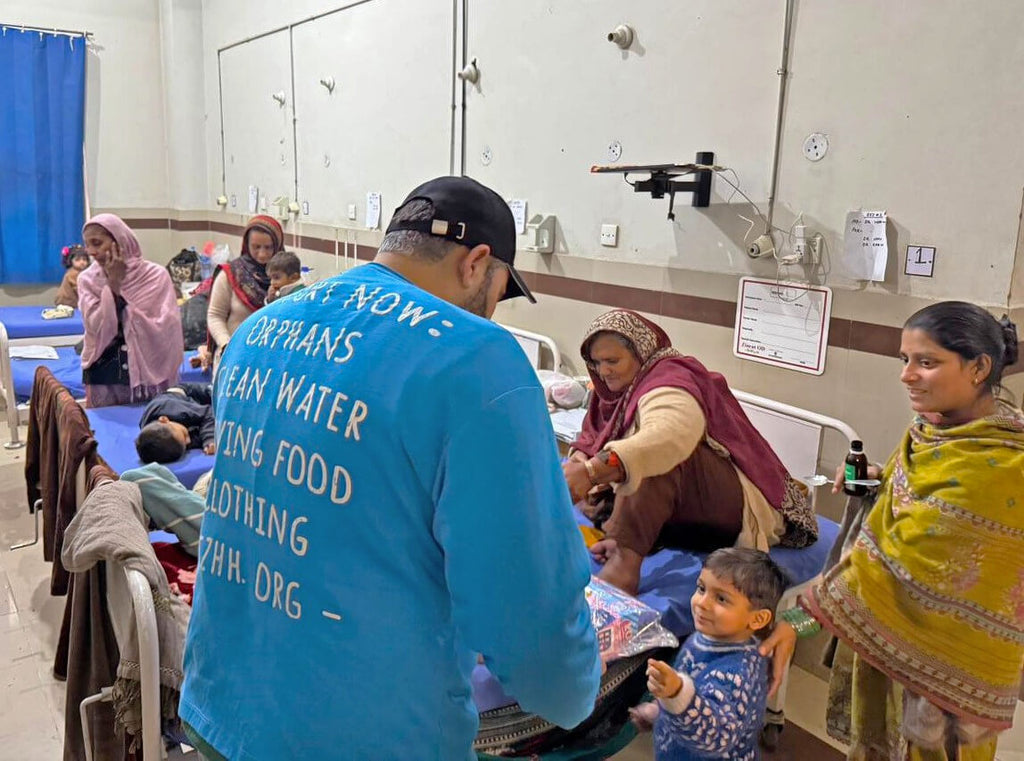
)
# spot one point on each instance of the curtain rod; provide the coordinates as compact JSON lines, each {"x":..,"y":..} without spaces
{"x":46,"y":29}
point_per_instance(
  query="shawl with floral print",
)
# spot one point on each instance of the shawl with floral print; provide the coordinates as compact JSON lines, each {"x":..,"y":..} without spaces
{"x":932,"y":592}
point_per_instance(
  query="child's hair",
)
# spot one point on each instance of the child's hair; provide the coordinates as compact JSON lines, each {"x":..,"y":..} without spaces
{"x":157,"y":443}
{"x":69,"y":253}
{"x":754,"y":574}
{"x":970,"y":331}
{"x":285,"y":263}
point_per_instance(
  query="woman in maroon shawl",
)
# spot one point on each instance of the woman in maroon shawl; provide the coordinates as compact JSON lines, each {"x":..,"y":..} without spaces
{"x":668,"y":457}
{"x":240,"y":286}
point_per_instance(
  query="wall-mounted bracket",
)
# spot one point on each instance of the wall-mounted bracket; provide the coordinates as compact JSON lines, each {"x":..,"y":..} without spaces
{"x":662,"y":180}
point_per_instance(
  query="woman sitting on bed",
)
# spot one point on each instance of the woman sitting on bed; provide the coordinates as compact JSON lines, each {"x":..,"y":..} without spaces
{"x":133,"y":342}
{"x":240,"y":286}
{"x":668,"y":457}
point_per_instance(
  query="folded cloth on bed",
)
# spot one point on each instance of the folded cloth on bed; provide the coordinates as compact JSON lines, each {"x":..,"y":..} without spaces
{"x":33,"y":351}
{"x":111,"y":526}
{"x":169,"y":504}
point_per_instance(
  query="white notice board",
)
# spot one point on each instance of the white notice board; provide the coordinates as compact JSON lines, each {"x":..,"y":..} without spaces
{"x":783,"y":324}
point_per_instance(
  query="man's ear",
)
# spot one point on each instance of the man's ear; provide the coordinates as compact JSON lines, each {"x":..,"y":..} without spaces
{"x":760,"y":619}
{"x":473,"y":266}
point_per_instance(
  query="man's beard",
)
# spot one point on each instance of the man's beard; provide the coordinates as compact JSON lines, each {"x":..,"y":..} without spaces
{"x":476,"y":302}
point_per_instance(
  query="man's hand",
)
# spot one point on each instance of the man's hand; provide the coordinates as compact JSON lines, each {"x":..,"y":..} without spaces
{"x":577,"y":479}
{"x":209,"y":447}
{"x":662,"y":679}
{"x":779,"y":647}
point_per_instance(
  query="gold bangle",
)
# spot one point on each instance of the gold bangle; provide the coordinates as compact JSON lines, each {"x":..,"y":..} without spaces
{"x":591,"y":473}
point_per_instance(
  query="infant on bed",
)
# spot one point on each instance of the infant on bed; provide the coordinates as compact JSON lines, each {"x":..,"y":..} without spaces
{"x":179,"y":419}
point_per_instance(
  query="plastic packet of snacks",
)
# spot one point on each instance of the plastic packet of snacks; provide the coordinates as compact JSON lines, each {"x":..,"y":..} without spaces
{"x":625,"y":626}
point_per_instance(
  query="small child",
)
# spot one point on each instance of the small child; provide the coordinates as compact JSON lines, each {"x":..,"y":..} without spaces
{"x":712,"y":703}
{"x":179,"y":419}
{"x":285,"y":271}
{"x":75,"y":260}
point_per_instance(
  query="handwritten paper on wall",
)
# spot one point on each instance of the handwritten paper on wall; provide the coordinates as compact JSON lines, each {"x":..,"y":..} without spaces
{"x":518,"y":207}
{"x":783,"y":324}
{"x":373,"y":210}
{"x":865,"y":248}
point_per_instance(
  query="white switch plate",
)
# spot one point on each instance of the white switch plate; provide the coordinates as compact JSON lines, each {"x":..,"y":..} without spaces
{"x":352,"y":211}
{"x":610,"y":235}
{"x":305,"y":207}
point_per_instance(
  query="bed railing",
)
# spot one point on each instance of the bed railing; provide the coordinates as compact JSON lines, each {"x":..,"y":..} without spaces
{"x":10,"y":398}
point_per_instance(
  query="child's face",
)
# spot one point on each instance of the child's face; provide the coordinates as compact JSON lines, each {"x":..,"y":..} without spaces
{"x":80,"y":262}
{"x":180,"y":431}
{"x":722,"y":612}
{"x":279,"y":280}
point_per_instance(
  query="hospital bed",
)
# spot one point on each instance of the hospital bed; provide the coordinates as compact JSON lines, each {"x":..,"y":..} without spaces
{"x":18,"y":375}
{"x":22,"y":326}
{"x":116,"y":428}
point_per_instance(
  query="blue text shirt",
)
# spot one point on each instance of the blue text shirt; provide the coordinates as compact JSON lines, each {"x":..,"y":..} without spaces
{"x":387,"y":502}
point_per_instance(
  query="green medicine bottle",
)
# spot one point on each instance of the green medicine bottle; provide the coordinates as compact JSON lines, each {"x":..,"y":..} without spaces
{"x":856,"y":469}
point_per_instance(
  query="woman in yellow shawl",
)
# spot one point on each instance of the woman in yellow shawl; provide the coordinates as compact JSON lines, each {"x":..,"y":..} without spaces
{"x":927,"y":600}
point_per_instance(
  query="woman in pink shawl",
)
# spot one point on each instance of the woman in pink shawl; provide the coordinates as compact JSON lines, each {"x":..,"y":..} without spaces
{"x":133,"y":340}
{"x":668,"y":457}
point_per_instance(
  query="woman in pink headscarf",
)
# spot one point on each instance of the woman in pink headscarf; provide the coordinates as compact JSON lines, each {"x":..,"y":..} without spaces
{"x":133,"y":340}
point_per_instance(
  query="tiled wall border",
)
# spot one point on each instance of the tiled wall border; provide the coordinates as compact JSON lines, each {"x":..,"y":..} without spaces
{"x":843,"y":333}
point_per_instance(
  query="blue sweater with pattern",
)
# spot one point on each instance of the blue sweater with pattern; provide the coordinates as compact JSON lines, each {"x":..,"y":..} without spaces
{"x":719,"y":711}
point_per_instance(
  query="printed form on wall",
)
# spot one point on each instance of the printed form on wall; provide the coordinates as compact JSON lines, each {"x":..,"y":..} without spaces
{"x":783,"y":324}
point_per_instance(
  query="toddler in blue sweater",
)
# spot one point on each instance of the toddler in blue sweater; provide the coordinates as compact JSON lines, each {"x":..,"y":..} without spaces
{"x":711,"y":704}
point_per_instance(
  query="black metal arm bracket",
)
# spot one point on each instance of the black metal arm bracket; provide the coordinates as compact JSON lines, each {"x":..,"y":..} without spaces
{"x":662,"y":180}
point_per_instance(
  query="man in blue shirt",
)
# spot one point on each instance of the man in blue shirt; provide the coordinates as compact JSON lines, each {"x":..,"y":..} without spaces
{"x":387,"y":503}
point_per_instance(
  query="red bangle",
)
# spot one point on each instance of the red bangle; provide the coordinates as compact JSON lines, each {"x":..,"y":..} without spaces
{"x":613,"y":460}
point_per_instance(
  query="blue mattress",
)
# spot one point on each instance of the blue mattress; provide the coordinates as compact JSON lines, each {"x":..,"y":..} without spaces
{"x":67,"y":368}
{"x":115,"y":429}
{"x":667,"y":581}
{"x":28,"y":322}
{"x":668,"y":577}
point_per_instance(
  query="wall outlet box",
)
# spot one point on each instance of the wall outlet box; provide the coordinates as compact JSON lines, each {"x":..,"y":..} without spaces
{"x":352,"y":211}
{"x":610,"y":235}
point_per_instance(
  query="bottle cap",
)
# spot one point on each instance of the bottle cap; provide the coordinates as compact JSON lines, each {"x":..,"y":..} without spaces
{"x":856,"y":446}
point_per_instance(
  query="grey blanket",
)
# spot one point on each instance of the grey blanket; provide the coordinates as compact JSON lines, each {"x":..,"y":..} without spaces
{"x":111,"y":526}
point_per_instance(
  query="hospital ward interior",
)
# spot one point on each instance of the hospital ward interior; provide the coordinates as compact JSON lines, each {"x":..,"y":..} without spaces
{"x":465,"y":380}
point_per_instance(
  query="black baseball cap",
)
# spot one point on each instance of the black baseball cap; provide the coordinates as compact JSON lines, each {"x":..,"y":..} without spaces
{"x":470,"y":214}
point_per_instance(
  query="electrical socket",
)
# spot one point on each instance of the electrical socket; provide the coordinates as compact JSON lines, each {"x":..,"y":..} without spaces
{"x":610,"y":235}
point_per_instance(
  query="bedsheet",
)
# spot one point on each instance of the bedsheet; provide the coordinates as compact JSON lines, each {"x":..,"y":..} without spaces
{"x":27,"y":322}
{"x":115,"y":429}
{"x":67,"y":368}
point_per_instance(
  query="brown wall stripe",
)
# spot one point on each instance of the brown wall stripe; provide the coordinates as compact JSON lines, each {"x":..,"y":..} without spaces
{"x":843,"y":333}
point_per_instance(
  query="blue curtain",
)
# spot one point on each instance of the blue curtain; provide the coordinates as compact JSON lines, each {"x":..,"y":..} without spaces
{"x":42,"y":118}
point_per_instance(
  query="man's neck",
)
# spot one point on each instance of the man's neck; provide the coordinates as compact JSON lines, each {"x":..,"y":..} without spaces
{"x":427,"y":276}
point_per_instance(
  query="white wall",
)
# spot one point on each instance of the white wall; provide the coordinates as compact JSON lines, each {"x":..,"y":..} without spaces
{"x":911,"y":128}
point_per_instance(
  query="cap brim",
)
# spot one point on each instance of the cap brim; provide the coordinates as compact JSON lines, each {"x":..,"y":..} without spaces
{"x":517,"y":286}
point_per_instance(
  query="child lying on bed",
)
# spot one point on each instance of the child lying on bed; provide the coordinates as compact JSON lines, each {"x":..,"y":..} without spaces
{"x":711,"y":704}
{"x":179,"y":419}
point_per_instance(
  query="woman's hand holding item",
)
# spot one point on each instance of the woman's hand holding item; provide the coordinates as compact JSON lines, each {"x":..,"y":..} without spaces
{"x":874,"y":472}
{"x":578,"y":480}
{"x":115,"y":268}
